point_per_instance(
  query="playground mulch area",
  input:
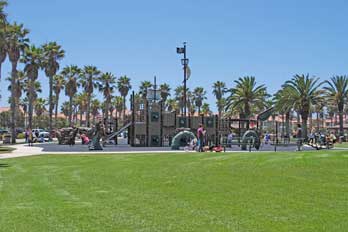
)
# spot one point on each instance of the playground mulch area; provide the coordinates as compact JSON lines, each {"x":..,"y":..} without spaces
{"x":287,"y":191}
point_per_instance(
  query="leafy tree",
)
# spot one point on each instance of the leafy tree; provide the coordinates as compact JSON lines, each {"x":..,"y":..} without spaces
{"x":246,"y":97}
{"x":336,"y":93}
{"x":58,"y":86}
{"x":199,"y":95}
{"x":106,"y":86}
{"x":89,"y":80}
{"x":52,"y":53}
{"x":71,"y":74}
{"x":304,"y":92}
{"x":16,"y":41}
{"x":219,"y":90}
{"x":32,"y":58}
{"x":123,"y":85}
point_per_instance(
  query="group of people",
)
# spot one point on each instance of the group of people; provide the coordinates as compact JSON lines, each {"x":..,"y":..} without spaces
{"x":32,"y":137}
{"x":318,"y":137}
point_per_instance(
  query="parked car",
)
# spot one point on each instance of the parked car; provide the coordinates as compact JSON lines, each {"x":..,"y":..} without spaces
{"x":41,"y":133}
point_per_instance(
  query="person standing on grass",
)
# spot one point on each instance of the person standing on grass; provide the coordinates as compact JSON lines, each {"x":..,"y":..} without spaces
{"x":200,"y":137}
{"x":299,"y":137}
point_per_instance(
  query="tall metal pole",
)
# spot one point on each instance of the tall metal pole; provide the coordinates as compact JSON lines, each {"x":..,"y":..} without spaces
{"x":185,"y":64}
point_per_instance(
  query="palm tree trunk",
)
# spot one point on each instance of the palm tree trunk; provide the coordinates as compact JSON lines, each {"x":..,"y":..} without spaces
{"x":107,"y":115}
{"x":70,"y":110}
{"x":50,"y":102}
{"x":287,"y":119}
{"x":13,"y":102}
{"x":318,"y":121}
{"x":340,"y":114}
{"x":56,"y":110}
{"x":304,"y":126}
{"x":88,"y":110}
{"x":124,"y":109}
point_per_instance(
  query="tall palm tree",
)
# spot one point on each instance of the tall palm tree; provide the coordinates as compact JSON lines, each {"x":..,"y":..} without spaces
{"x":58,"y":86}
{"x":284,"y":104}
{"x":118,"y":104}
{"x":95,"y":107}
{"x":53,"y":53}
{"x":123,"y":85}
{"x":144,"y":88}
{"x":191,"y":106}
{"x":40,"y":108}
{"x":32,"y":58}
{"x":337,"y":93}
{"x":199,"y":96}
{"x":88,"y":80}
{"x":71,"y":74}
{"x":106,"y":86}
{"x":219,"y":89}
{"x":81,"y":101}
{"x":304,"y":91}
{"x":179,"y":96}
{"x":245,"y":96}
{"x":16,"y":41}
{"x":206,"y":109}
{"x":65,"y":109}
{"x":172,"y":105}
{"x":165,"y":92}
{"x":3,"y":24}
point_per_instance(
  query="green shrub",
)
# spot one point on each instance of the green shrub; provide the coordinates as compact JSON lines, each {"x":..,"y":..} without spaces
{"x":20,"y":136}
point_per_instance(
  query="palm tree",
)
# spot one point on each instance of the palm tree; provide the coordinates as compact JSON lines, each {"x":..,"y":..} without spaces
{"x":81,"y":101}
{"x":337,"y":93}
{"x":191,"y":106}
{"x":3,"y":24}
{"x":246,"y":97}
{"x":219,"y":89}
{"x":205,"y":109}
{"x":71,"y":74}
{"x":65,"y":109}
{"x":123,"y":85}
{"x":172,"y":105}
{"x":106,"y":86}
{"x":40,"y":108}
{"x":95,"y":107}
{"x":88,"y":80}
{"x":118,"y":103}
{"x":52,"y":54}
{"x":165,"y":92}
{"x":32,"y":58}
{"x":199,"y":95}
{"x":58,"y":86}
{"x":179,"y":96}
{"x":304,"y":92}
{"x":284,"y":104}
{"x":144,"y":88}
{"x":16,"y":41}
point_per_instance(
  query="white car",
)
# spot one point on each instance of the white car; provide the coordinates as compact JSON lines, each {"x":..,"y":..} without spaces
{"x":42,"y":133}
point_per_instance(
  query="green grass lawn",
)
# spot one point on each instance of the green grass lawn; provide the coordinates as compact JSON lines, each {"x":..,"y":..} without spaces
{"x":176,"y":192}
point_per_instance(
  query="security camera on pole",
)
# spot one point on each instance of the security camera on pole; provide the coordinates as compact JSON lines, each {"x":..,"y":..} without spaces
{"x":187,"y":72}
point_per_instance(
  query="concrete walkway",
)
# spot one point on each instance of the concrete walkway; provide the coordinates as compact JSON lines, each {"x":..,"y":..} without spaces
{"x":23,"y":150}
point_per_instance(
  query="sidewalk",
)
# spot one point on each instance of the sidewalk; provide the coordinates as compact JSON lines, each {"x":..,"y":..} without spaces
{"x":21,"y":150}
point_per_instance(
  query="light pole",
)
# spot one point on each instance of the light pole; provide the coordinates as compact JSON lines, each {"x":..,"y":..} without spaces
{"x":184,"y":62}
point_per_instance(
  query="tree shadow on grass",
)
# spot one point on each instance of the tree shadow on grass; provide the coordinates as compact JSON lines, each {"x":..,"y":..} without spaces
{"x":4,"y":166}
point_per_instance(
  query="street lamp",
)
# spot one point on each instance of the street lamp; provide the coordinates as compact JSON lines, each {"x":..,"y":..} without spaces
{"x":184,"y":62}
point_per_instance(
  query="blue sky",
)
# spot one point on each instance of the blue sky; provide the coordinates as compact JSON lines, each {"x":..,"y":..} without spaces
{"x":271,"y":40}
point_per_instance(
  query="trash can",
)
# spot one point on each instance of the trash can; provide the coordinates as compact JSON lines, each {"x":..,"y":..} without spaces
{"x":6,"y":139}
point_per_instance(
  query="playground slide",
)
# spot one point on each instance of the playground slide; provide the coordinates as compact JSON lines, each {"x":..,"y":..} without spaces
{"x":113,"y":135}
